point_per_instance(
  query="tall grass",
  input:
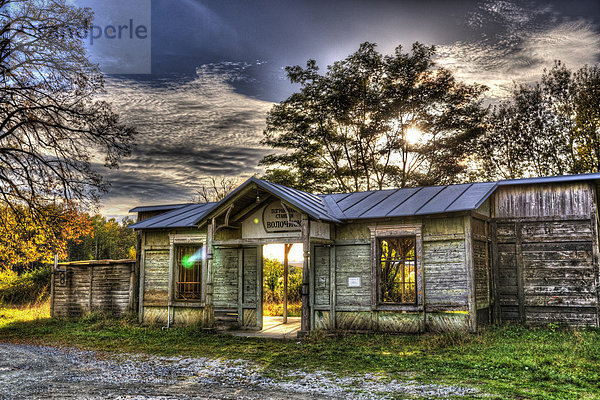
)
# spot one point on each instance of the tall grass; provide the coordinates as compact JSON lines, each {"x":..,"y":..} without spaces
{"x":24,"y":313}
{"x":24,"y":288}
{"x":276,"y":309}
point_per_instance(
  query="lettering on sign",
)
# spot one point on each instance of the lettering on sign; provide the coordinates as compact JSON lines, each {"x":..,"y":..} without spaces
{"x":275,"y":218}
{"x":354,"y":281}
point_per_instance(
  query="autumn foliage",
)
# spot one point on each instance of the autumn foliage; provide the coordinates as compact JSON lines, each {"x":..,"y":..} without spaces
{"x":28,"y":239}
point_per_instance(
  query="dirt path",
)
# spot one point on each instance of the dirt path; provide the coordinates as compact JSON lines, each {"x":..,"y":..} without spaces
{"x":42,"y":372}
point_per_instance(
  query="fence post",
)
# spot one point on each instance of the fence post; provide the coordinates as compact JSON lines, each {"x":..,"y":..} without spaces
{"x":52,"y":284}
{"x":91,"y":267}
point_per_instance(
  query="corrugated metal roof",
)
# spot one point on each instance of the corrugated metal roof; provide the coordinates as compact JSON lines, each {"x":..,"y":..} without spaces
{"x":164,"y":207}
{"x":410,"y":201}
{"x":310,"y":203}
{"x":360,"y":205}
{"x":184,"y":217}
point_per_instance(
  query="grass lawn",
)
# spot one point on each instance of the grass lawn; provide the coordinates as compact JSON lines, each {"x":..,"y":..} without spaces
{"x":510,"y":361}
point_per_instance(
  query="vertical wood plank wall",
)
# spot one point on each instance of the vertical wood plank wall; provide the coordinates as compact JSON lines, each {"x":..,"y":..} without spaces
{"x":103,"y":286}
{"x":446,"y":291}
{"x":546,"y":245}
{"x":482,"y":278}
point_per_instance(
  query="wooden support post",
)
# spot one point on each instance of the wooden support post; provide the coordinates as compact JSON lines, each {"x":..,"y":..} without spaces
{"x":52,"y":284}
{"x":332,"y":285}
{"x":208,"y":308}
{"x":136,"y":272}
{"x":286,"y":251}
{"x":305,"y":318}
{"x":495,"y":281}
{"x":142,"y":278}
{"x":171,"y":280}
{"x":519,"y":262}
{"x":241,"y":290}
{"x":90,"y":299}
{"x":595,"y":250}
{"x":132,"y":278}
{"x":470,"y":274}
{"x":259,"y":287}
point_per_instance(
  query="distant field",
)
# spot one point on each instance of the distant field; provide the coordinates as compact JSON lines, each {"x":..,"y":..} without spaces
{"x":510,"y":362}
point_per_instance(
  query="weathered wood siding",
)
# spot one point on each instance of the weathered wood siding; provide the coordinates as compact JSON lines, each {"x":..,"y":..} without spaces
{"x":446,"y":292}
{"x":446,"y":276}
{"x":444,"y":264}
{"x":249,"y":278}
{"x":481,"y":262}
{"x":322,"y":286}
{"x":156,"y":277}
{"x":180,"y":315}
{"x":547,"y":271}
{"x":225,"y":277}
{"x":353,"y":261}
{"x":104,"y":286}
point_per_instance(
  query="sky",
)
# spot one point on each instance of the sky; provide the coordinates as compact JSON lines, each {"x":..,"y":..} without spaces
{"x":217,"y":67}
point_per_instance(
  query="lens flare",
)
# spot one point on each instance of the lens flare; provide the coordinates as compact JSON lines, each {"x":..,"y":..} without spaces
{"x":188,"y":261}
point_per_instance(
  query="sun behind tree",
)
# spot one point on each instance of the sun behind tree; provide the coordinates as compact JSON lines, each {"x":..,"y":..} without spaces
{"x":373,"y":122}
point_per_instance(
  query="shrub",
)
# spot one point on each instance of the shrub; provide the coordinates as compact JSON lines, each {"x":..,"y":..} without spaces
{"x":26,"y":287}
{"x":273,"y":282}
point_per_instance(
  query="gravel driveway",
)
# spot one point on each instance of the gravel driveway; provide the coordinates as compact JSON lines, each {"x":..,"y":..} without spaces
{"x":42,"y":372}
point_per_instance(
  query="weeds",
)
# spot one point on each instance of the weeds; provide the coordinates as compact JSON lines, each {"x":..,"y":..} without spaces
{"x":25,"y":288}
{"x":509,"y":361}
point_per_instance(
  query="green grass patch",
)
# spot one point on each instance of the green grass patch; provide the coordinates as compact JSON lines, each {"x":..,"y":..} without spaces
{"x":509,"y":361}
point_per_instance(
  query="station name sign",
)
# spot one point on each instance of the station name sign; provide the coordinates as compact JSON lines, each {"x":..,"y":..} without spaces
{"x":275,"y":218}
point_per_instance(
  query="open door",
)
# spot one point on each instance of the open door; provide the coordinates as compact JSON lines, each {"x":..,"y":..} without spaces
{"x":250,"y":288}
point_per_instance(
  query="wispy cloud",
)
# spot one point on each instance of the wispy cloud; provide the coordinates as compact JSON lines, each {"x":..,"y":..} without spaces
{"x":514,"y":42}
{"x":189,"y":130}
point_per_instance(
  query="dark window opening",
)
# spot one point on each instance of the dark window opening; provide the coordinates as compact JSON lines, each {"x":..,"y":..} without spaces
{"x":397,"y":273}
{"x":189,"y":273}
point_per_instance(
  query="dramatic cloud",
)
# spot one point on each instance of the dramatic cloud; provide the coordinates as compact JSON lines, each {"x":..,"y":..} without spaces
{"x":514,"y":43}
{"x":210,"y":124}
{"x":190,"y":129}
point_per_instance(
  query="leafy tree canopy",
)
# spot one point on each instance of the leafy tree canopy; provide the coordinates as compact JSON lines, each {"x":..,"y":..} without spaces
{"x":107,"y":239}
{"x":371,"y":122}
{"x":27,"y":240}
{"x":551,"y":127}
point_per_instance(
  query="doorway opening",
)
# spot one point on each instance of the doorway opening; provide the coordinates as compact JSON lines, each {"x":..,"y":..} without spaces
{"x":282,"y":287}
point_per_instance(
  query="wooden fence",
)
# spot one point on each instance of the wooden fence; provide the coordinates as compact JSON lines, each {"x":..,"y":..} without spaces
{"x":98,"y":285}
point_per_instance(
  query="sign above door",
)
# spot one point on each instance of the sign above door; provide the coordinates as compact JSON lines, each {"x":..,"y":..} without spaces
{"x":279,"y":218}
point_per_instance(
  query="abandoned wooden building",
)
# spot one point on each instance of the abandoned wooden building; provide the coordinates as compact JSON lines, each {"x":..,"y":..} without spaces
{"x":440,"y":258}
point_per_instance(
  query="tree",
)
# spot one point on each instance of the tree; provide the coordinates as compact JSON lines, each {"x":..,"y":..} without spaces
{"x":107,"y":239}
{"x":52,"y":128}
{"x":372,"y":122}
{"x":551,"y":127}
{"x":586,"y":124}
{"x":27,"y":241}
{"x":216,"y":190}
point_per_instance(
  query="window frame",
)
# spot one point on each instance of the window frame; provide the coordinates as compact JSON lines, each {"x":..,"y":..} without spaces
{"x":179,"y":240}
{"x":395,"y":231}
{"x":176,"y":273}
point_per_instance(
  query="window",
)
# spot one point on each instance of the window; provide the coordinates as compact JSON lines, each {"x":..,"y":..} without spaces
{"x":397,"y":270}
{"x":189,"y":272}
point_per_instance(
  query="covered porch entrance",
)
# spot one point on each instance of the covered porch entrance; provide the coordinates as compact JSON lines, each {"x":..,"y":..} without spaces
{"x":251,"y":218}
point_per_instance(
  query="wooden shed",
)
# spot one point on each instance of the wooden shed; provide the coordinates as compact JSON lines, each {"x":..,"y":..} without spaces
{"x":443,"y":258}
{"x":79,"y":287}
